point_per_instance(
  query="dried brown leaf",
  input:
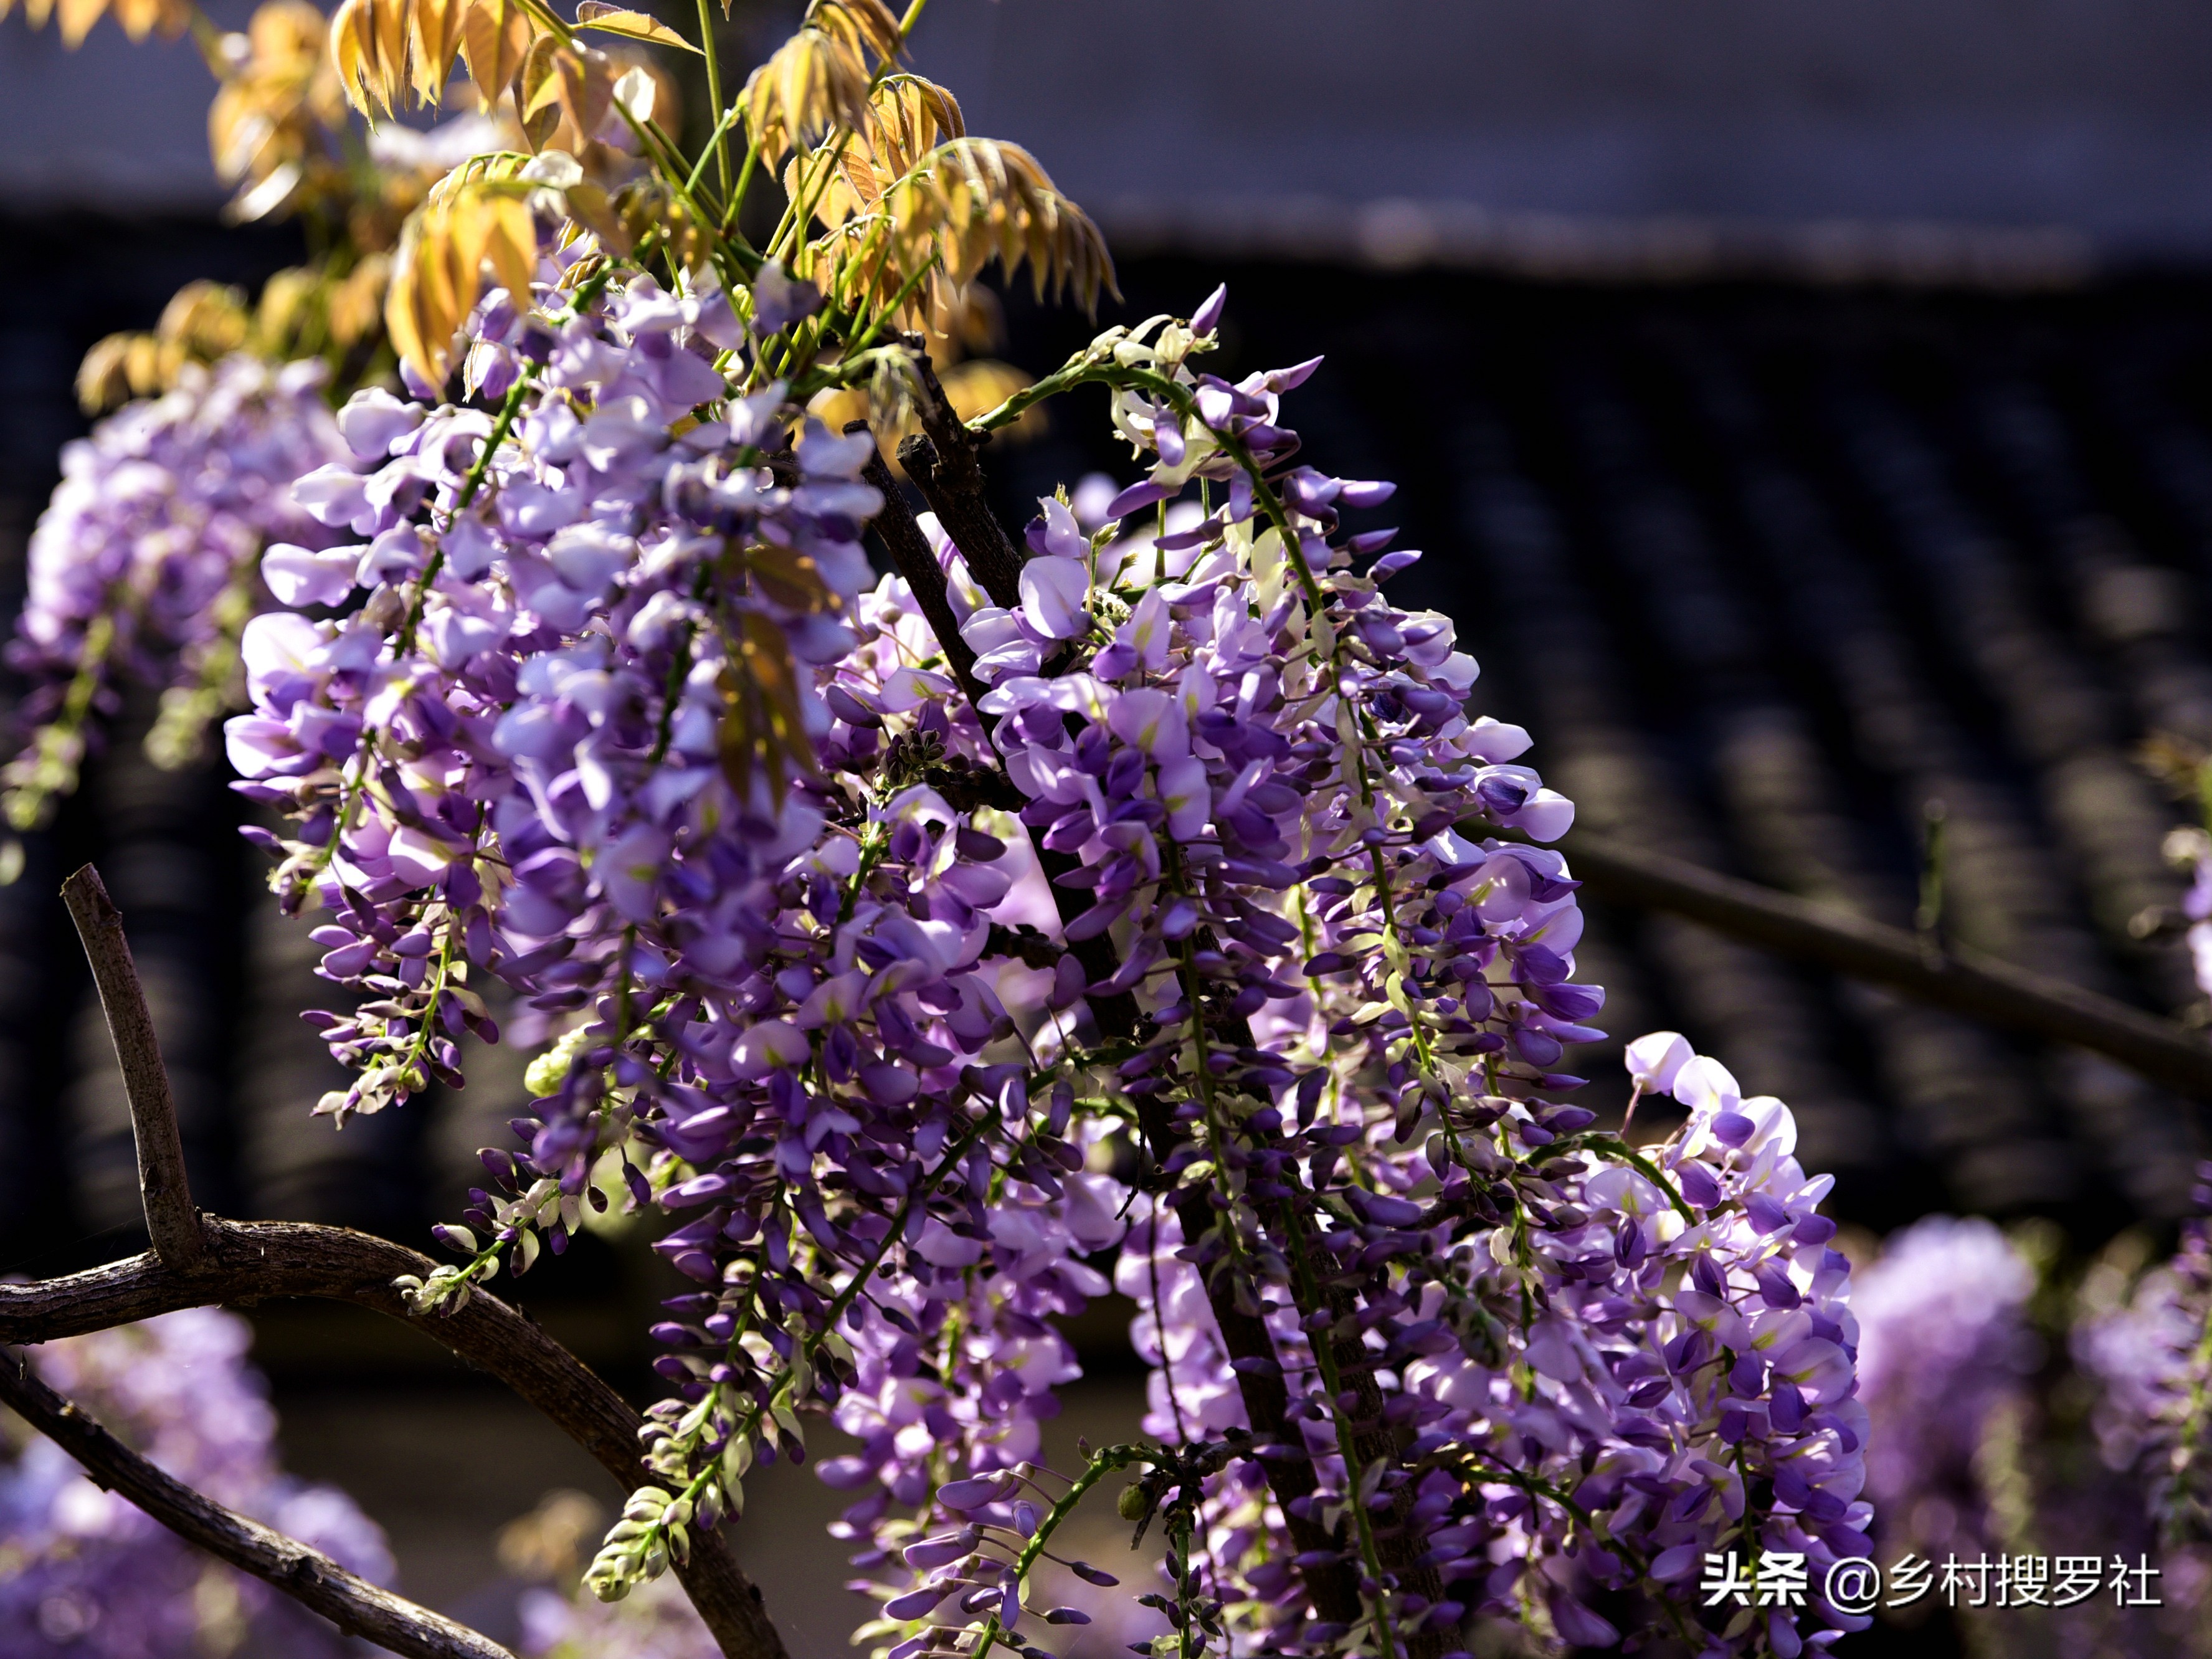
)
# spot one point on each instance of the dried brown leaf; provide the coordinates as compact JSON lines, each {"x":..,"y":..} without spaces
{"x":762,"y":733}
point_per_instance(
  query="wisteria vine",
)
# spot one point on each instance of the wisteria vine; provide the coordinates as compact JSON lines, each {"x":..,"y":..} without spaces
{"x":1130,"y":902}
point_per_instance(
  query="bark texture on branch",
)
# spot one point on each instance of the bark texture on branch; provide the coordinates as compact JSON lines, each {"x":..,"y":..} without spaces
{"x":941,"y":460}
{"x":249,"y":1262}
{"x":201,"y":1261}
{"x":917,"y":561}
{"x":171,"y":1221}
{"x":1963,"y":982}
{"x":356,"y":1607}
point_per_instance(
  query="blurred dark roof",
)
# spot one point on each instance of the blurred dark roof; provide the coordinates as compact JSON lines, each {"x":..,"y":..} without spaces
{"x":2000,"y":140}
{"x":1765,"y":568}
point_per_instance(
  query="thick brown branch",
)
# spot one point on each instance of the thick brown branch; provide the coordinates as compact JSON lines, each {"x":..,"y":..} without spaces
{"x":171,"y":1221}
{"x":1335,"y":1588}
{"x":941,"y":460}
{"x":917,"y":561}
{"x":1964,"y":981}
{"x":310,"y":1577}
{"x":252,"y":1261}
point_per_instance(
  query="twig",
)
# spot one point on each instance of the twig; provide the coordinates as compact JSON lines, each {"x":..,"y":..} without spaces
{"x":1116,"y":1014}
{"x":198,"y":1261}
{"x":941,"y":459}
{"x":1963,"y":982}
{"x":356,"y":1607}
{"x":171,"y":1221}
{"x":247,"y":1262}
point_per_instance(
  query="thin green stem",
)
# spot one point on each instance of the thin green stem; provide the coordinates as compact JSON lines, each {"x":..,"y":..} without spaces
{"x":1319,"y":1342}
{"x":509,"y":412}
{"x":1102,"y":1462}
{"x":717,"y":142}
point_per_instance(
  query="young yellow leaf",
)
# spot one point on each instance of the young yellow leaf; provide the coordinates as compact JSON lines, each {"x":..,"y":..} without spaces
{"x":631,"y":25}
{"x":537,"y":91}
{"x":586,"y":81}
{"x":77,"y":18}
{"x":436,"y":42}
{"x":496,"y":36}
{"x":368,"y":50}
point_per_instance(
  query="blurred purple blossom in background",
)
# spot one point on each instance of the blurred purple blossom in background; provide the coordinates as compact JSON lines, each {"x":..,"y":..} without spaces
{"x":83,"y":1573}
{"x":1943,"y":1344}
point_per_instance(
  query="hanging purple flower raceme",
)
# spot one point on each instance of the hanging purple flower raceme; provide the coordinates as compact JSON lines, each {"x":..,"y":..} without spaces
{"x":610,"y":719}
{"x":2151,"y":1357}
{"x":1946,"y":1353}
{"x":142,"y":566}
{"x":867,"y":988}
{"x":1352,"y":994}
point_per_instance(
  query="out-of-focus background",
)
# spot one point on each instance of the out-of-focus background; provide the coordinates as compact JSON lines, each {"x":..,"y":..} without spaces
{"x":1807,"y":413}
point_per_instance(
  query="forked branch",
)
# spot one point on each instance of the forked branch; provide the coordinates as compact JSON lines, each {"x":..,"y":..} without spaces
{"x":941,"y":460}
{"x":917,"y":562}
{"x":202,"y":1261}
{"x":310,"y":1577}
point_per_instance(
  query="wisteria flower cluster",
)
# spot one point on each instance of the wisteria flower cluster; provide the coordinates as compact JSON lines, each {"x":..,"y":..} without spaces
{"x":1132,"y":901}
{"x":2151,"y":1356}
{"x":142,"y":569}
{"x":1189,"y":872}
{"x":1946,"y":1352}
{"x":83,"y":1573}
{"x":2025,"y":1412}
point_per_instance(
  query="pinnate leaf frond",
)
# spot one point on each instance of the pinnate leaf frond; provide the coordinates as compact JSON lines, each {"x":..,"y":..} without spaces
{"x":973,"y":200}
{"x":137,"y":18}
{"x":820,"y":79}
{"x":630,"y":25}
{"x":384,"y":49}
